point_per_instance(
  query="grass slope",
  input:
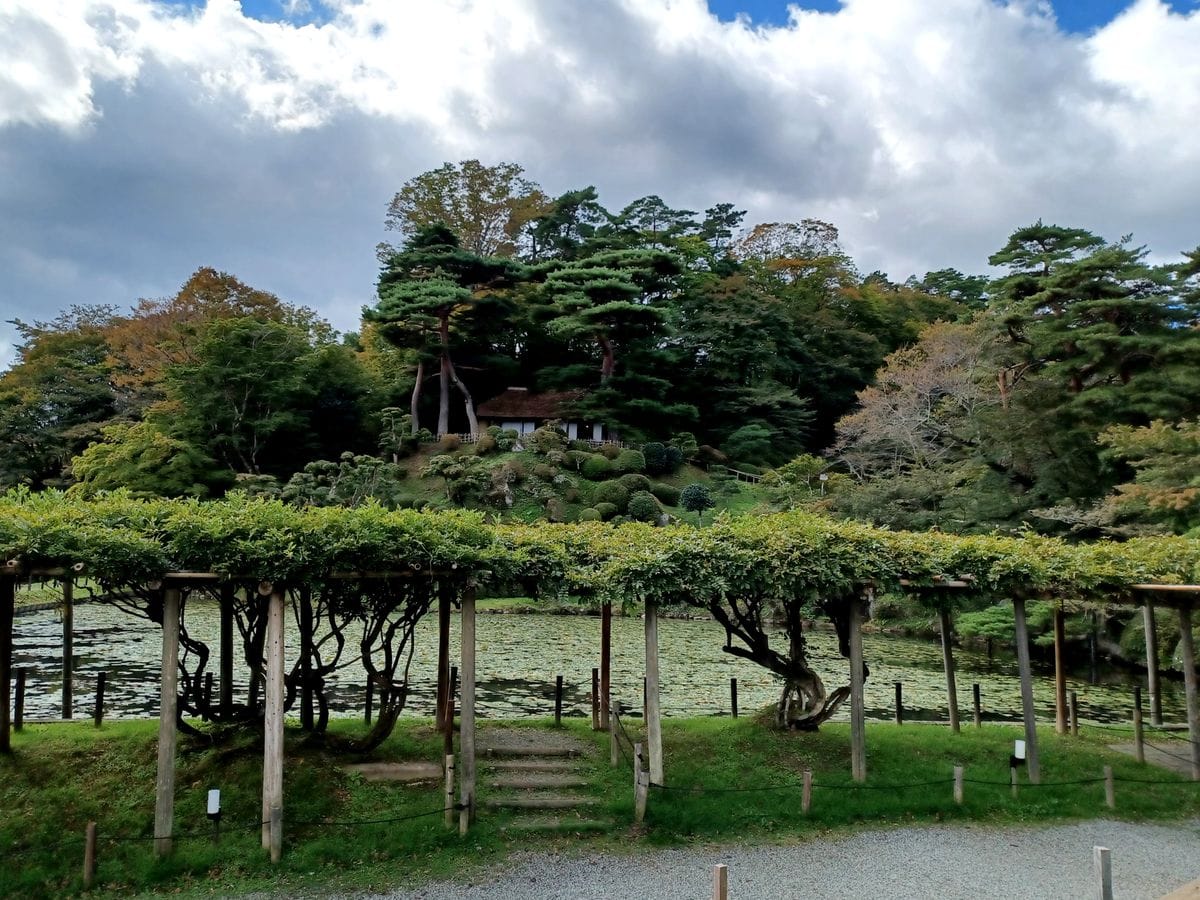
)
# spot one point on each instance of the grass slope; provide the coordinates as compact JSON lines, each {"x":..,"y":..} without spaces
{"x":62,"y":776}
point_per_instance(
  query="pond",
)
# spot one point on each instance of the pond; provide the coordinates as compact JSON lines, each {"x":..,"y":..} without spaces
{"x":520,"y":655}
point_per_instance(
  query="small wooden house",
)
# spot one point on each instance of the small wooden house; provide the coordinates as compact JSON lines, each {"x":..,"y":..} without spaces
{"x":519,"y":409}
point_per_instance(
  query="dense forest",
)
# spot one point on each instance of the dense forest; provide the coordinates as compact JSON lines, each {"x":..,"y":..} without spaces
{"x":1061,"y":395}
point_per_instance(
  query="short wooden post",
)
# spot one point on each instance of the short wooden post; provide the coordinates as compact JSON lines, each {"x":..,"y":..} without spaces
{"x":449,"y":799}
{"x":208,"y":695}
{"x":1110,"y":788}
{"x":1012,"y":772}
{"x":164,"y":799}
{"x":653,"y":722}
{"x":948,"y":665}
{"x":443,"y":661}
{"x":1074,"y":714}
{"x":370,"y":703}
{"x":978,"y":707}
{"x":958,"y":785}
{"x":466,"y":737}
{"x":1152,"y":683}
{"x":558,"y":698}
{"x":1139,"y":745}
{"x":806,"y":792}
{"x":639,"y":785}
{"x":1060,"y":671}
{"x":68,"y":648}
{"x":1187,"y":650}
{"x":89,"y":856}
{"x":605,"y":662}
{"x":858,"y":737}
{"x":19,"y":701}
{"x":8,"y":592}
{"x":1102,"y":867}
{"x":228,"y":596}
{"x":899,"y":702}
{"x":614,"y":747}
{"x":1031,"y":748}
{"x":733,"y":706}
{"x":98,"y":709}
{"x":595,"y":699}
{"x":638,"y":762}
{"x":276,"y":833}
{"x":720,"y":882}
{"x":272,"y":789}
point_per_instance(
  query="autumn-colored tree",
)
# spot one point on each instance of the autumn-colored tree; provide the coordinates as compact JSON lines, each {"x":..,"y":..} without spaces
{"x":487,"y":207}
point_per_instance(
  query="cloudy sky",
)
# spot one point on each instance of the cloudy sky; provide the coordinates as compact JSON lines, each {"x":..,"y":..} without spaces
{"x":140,"y":139}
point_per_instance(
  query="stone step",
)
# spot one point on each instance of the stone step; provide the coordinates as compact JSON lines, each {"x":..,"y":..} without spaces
{"x":393,"y":771}
{"x":539,"y":801}
{"x":530,"y":751}
{"x":529,"y":765}
{"x":537,"y":781}
{"x":556,"y":823}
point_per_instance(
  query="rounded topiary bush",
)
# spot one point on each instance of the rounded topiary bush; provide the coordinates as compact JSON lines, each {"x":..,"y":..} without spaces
{"x":612,"y":492}
{"x":610,"y":451}
{"x":666,"y":494}
{"x":643,"y":507}
{"x":606,"y":510}
{"x":544,"y":472}
{"x":590,"y":515}
{"x":485,"y":444}
{"x":580,"y":446}
{"x":597,"y":468}
{"x":634,"y":482}
{"x":630,"y":461}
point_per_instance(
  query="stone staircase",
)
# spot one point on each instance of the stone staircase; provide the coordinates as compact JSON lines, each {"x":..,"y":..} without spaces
{"x":537,"y":778}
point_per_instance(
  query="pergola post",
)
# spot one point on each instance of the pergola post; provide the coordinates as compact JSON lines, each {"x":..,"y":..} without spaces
{"x":948,"y":664}
{"x":226,"y":663}
{"x":8,"y":591}
{"x":605,"y":663}
{"x":1152,"y":683}
{"x":466,"y":733}
{"x":1060,"y":671}
{"x":653,"y":710}
{"x":443,"y":659}
{"x":1187,"y":649}
{"x":68,"y":647}
{"x":1031,"y":748}
{"x":164,"y":793}
{"x":858,"y":735}
{"x":272,"y":796}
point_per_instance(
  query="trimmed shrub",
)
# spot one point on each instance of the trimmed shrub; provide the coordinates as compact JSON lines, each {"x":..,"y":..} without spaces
{"x":576,"y":458}
{"x":685,"y":443}
{"x":507,"y":439}
{"x":610,"y":451}
{"x":710,"y":455}
{"x":580,"y":446}
{"x":556,"y":457}
{"x":666,"y":494}
{"x":612,"y":492}
{"x":633,"y":482}
{"x":630,"y":461}
{"x":545,"y":439}
{"x":643,"y":507}
{"x":597,"y":468}
{"x":449,"y":443}
{"x":544,"y":472}
{"x":485,"y":444}
{"x":589,"y":515}
{"x":656,"y":457}
{"x":606,"y":510}
{"x":696,"y":498}
{"x":674,"y":459}
{"x":556,"y":510}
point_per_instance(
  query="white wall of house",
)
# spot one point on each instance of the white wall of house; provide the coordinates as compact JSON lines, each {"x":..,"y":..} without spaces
{"x":597,"y":432}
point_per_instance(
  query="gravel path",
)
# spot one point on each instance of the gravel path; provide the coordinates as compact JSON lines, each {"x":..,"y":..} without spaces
{"x":938,"y":861}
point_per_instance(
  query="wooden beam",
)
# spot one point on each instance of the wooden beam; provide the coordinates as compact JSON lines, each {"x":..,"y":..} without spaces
{"x":858,"y":735}
{"x":1152,"y":682}
{"x":605,"y":663}
{"x":306,"y":647}
{"x":1060,"y":671}
{"x":68,"y":647}
{"x":8,"y":592}
{"x":653,"y":710}
{"x":228,"y":597}
{"x":948,"y":665}
{"x":466,"y":733}
{"x":1187,"y":649}
{"x":1031,"y":749}
{"x":272,"y":783}
{"x":164,"y":793}
{"x":1168,"y":588}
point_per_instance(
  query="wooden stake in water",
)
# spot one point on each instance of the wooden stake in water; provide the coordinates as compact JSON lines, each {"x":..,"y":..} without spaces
{"x":558,"y":698}
{"x":978,"y":706}
{"x":1074,"y":714}
{"x":733,"y":706}
{"x":98,"y":710}
{"x":1139,"y":747}
{"x":19,"y":701}
{"x":899,"y":703}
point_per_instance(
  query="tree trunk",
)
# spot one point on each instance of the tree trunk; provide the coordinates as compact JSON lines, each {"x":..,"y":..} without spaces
{"x":444,"y":376}
{"x":416,"y":397}
{"x":805,"y":703}
{"x":468,"y":403}
{"x":610,"y":359}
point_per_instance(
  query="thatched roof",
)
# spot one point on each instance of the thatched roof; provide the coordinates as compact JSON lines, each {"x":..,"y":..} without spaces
{"x":521,"y":403}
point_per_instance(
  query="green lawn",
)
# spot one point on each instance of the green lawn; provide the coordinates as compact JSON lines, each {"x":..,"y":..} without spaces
{"x":729,"y":780}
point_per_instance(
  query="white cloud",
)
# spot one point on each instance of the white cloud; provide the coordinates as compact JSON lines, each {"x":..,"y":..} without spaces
{"x":925,"y":131}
